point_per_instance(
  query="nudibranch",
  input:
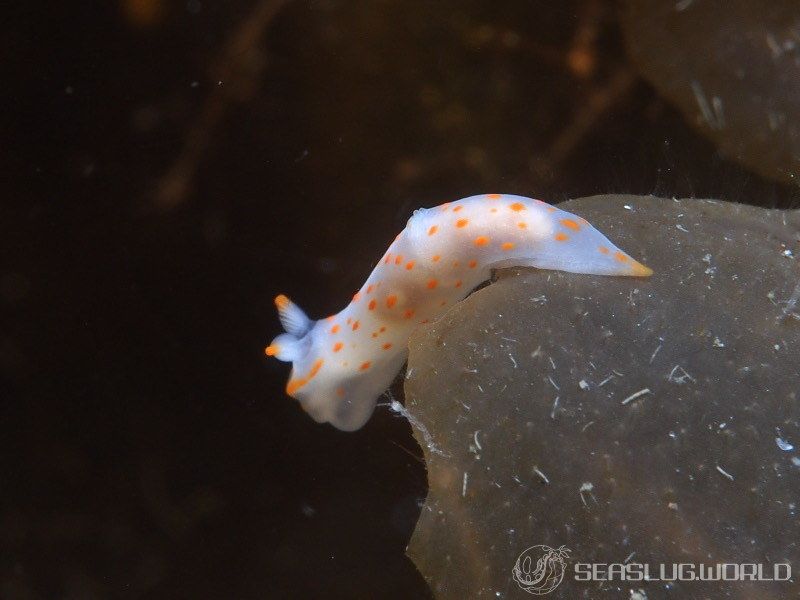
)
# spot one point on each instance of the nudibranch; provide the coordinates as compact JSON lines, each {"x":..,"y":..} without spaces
{"x":343,"y":363}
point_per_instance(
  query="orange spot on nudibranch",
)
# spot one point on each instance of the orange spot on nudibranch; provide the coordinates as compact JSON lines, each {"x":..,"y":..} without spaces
{"x":570,"y":224}
{"x":388,"y":258}
{"x":370,"y":287}
{"x":603,"y":250}
{"x":457,"y":208}
{"x":357,"y":297}
{"x":443,"y":302}
{"x":432,"y":283}
{"x":481,"y":240}
{"x":522,"y":225}
{"x":387,"y":345}
{"x":335,"y":329}
{"x":517,"y":206}
{"x":462,"y":223}
{"x":398,"y":259}
{"x":338,"y":346}
{"x":473,"y":264}
{"x":281,"y":301}
{"x":493,"y":210}
{"x":436,"y":258}
{"x":507,"y":246}
{"x":551,"y":209}
{"x":493,"y":196}
{"x":620,"y":257}
{"x":409,"y":313}
{"x":391,"y":301}
{"x":382,"y":329}
{"x":331,"y":318}
{"x":409,"y":265}
{"x":349,"y":320}
{"x":458,"y":283}
{"x":372,"y":304}
{"x":356,"y":325}
{"x":340,"y":392}
{"x":561,"y":237}
{"x":295,"y":384}
{"x":365,"y":365}
{"x":433,"y":230}
{"x":271,"y":350}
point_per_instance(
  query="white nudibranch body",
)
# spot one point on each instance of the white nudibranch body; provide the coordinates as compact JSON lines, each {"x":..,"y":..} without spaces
{"x":343,"y":363}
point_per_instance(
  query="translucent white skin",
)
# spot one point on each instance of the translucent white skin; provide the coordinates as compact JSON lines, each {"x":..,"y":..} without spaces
{"x":342,"y":364}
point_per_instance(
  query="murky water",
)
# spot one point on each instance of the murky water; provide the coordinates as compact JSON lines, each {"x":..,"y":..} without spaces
{"x":172,"y":166}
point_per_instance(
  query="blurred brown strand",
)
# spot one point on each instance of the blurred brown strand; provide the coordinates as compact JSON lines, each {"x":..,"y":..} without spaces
{"x":143,"y":13}
{"x":600,"y":102}
{"x":237,"y":70}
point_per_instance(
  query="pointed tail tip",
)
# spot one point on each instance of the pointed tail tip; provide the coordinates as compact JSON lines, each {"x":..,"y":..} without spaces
{"x":640,"y":270}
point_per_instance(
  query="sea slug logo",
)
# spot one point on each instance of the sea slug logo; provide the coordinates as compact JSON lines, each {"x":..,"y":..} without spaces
{"x":540,"y":569}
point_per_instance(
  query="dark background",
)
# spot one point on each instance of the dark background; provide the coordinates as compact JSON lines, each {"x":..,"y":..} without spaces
{"x":168,"y":168}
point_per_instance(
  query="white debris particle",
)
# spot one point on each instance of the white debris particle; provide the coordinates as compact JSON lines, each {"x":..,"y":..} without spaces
{"x":784,"y":445}
{"x":586,"y":487}
{"x":796,"y":461}
{"x":718,"y":343}
{"x":636,"y":395}
{"x":464,"y":485}
{"x":640,"y":594}
{"x":555,"y":406}
{"x":540,"y":474}
{"x":682,"y":228}
{"x":512,"y":360}
{"x":606,"y":380}
{"x":583,"y":384}
{"x":417,"y":424}
{"x":627,"y":207}
{"x":792,"y":301}
{"x":553,"y":382}
{"x":630,"y":556}
{"x":724,"y":472}
{"x":653,"y":357}
{"x":679,"y":375}
{"x":672,"y":506}
{"x":475,"y":439}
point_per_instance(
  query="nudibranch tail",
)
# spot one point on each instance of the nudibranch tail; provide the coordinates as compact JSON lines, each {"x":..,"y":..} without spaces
{"x":342,"y":364}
